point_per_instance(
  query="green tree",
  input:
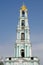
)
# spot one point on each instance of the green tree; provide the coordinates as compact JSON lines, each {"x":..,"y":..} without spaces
{"x":1,"y":63}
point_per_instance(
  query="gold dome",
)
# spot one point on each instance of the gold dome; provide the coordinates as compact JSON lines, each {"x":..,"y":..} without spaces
{"x":23,"y":7}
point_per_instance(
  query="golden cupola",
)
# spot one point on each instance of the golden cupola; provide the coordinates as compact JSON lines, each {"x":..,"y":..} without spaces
{"x":23,"y":7}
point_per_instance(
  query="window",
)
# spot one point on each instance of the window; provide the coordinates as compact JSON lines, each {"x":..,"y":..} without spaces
{"x":23,"y":13}
{"x":9,"y":58}
{"x":23,"y":23}
{"x":22,"y":53}
{"x":22,"y":36}
{"x":32,"y":58}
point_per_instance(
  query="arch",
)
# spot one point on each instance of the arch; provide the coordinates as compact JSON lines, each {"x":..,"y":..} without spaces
{"x":22,"y":53}
{"x":22,"y":36}
{"x":23,"y":23}
{"x":23,"y":13}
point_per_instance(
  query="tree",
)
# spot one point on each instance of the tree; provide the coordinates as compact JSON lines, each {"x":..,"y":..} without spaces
{"x":1,"y":63}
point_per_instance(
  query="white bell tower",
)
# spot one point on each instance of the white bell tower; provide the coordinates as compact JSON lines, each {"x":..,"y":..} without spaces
{"x":23,"y":44}
{"x":22,"y":49}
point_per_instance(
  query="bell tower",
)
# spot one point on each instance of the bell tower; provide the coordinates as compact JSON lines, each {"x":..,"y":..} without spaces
{"x":22,"y":49}
{"x":23,"y":43}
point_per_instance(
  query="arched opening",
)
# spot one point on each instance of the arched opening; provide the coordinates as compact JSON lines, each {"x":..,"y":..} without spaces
{"x":23,"y":23}
{"x":23,"y":13}
{"x":22,"y":53}
{"x":22,"y":36}
{"x":9,"y":58}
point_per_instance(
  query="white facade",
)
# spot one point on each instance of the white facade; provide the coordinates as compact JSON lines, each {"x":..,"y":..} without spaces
{"x":23,"y":47}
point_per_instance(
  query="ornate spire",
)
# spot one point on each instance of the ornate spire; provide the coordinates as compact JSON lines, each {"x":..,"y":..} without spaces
{"x":23,"y":7}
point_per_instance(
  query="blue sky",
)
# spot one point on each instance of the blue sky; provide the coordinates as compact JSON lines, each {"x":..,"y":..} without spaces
{"x":9,"y":15}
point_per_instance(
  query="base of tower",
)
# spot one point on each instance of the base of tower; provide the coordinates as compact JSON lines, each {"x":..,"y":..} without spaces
{"x":18,"y":61}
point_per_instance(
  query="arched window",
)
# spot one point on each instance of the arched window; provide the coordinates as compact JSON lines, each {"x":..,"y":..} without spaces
{"x":22,"y":36}
{"x":23,"y":13}
{"x":22,"y":53}
{"x":23,"y":23}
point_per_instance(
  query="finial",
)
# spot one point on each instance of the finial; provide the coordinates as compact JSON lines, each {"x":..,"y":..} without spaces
{"x":23,"y":2}
{"x":23,"y":7}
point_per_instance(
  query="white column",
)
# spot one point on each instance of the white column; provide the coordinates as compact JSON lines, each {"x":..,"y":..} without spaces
{"x":30,"y":51}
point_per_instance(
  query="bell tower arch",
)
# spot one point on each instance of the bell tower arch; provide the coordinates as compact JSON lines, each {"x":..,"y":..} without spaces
{"x":22,"y":53}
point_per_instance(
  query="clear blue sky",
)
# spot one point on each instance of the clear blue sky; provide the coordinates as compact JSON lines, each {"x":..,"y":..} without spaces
{"x":9,"y":15}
